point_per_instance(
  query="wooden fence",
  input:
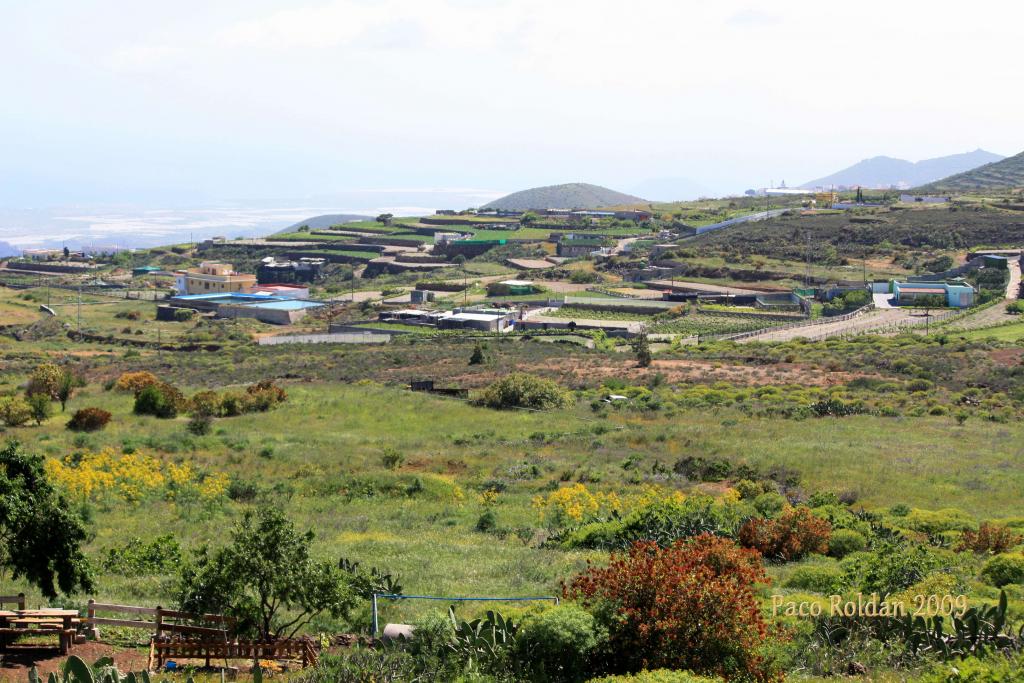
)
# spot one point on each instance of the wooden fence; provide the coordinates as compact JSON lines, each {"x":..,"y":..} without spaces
{"x":299,"y":650}
{"x":164,"y":621}
{"x":18,"y":600}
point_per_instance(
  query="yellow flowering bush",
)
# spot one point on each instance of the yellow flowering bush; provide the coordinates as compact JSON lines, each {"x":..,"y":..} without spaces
{"x":575,"y":504}
{"x":132,"y":477}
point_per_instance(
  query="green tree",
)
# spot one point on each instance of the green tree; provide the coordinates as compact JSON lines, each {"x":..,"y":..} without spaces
{"x":642,"y":349}
{"x":67,"y":385}
{"x":40,"y":534}
{"x":266,"y":578}
{"x":528,"y":219}
{"x":45,"y":379}
{"x":39,"y":404}
{"x":385,"y":218}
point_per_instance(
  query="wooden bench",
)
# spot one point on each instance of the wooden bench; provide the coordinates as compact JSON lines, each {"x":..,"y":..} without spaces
{"x":63,"y":623}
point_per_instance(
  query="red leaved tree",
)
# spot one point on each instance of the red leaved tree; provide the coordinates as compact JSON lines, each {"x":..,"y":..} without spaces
{"x":793,"y":534}
{"x":688,"y":606}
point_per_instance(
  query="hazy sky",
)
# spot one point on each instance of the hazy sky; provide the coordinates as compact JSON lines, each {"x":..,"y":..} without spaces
{"x":196,"y":100}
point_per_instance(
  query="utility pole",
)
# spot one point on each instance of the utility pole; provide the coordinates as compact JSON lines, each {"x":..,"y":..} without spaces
{"x":79,"y":308}
{"x":807,"y":274}
{"x":159,"y":344}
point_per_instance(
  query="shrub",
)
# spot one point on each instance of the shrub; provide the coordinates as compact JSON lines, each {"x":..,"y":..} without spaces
{"x":477,"y":357}
{"x":182,"y":315}
{"x":792,"y":535}
{"x":559,"y":644}
{"x":749,"y":490}
{"x":846,"y":541}
{"x":826,"y":579}
{"x":138,"y":558}
{"x":160,"y":399}
{"x":206,"y":403}
{"x":519,"y":390}
{"x":662,"y":521}
{"x":822,"y":498}
{"x":135,"y":381}
{"x":1004,"y":569}
{"x":989,"y":538}
{"x":89,"y":420}
{"x":658,"y":676}
{"x":935,"y":521}
{"x":688,"y":606}
{"x":899,"y":510}
{"x":488,"y":521}
{"x":243,"y":490}
{"x":392,"y":459}
{"x":890,"y":568}
{"x":770,"y":504}
{"x":263,"y":395}
{"x":232,"y":404}
{"x":1015,"y":307}
{"x":15,"y":411}
{"x":200,"y":424}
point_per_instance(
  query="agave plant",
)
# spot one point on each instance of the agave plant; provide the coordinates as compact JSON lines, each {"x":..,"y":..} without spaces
{"x":482,"y":639}
{"x":103,"y":670}
{"x":979,"y":631}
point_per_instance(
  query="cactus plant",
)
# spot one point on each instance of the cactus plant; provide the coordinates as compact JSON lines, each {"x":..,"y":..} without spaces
{"x":103,"y":670}
{"x":979,"y":631}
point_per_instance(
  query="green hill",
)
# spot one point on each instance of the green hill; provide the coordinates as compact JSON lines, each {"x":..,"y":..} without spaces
{"x":1007,"y":174}
{"x":568,"y":196}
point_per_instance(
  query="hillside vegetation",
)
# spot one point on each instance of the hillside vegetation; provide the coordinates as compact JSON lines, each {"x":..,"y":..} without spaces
{"x":1007,"y":174}
{"x":567,"y":196}
{"x":955,"y":227}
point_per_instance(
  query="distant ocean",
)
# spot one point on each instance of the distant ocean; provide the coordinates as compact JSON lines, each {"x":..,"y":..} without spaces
{"x":134,"y":226}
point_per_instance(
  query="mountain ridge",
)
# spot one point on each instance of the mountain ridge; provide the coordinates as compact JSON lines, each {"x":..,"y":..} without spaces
{"x":885,"y":171}
{"x":1004,"y":174}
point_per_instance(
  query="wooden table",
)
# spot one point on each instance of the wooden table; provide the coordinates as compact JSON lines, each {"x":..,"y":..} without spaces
{"x":63,"y":622}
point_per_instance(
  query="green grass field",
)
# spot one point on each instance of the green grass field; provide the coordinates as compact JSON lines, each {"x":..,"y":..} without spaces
{"x":319,"y":455}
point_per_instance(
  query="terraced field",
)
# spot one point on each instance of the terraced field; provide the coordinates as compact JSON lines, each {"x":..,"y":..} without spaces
{"x":697,"y":323}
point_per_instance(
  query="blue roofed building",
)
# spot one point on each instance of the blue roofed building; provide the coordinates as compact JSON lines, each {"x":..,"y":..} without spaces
{"x":278,"y":310}
{"x":956,"y":295}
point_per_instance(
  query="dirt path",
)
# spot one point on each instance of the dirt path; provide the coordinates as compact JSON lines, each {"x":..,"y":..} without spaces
{"x":995,"y":314}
